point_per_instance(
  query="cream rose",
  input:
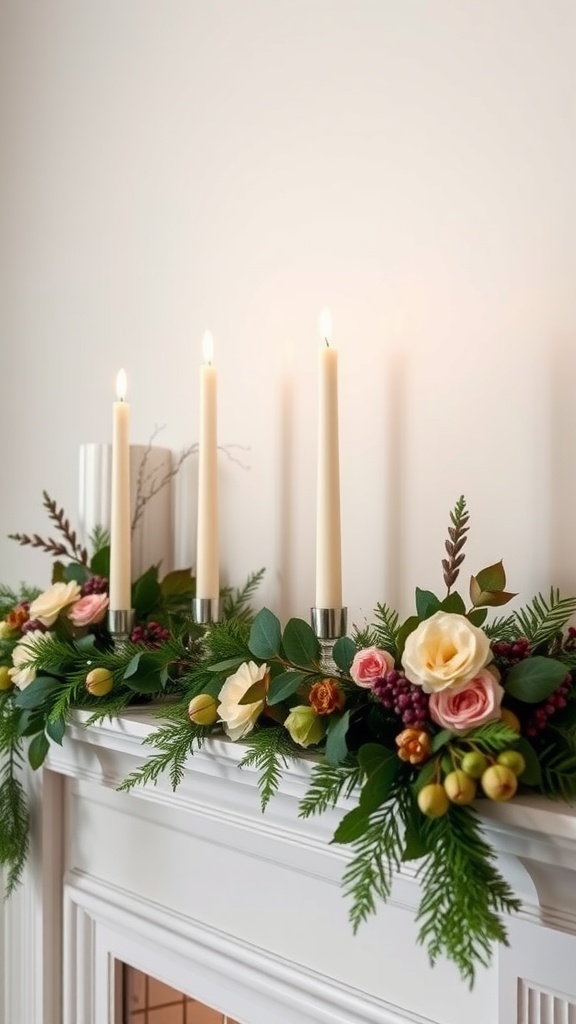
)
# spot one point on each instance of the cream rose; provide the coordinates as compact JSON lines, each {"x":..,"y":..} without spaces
{"x":445,"y":651}
{"x":239,"y":719}
{"x":22,"y":673}
{"x":468,"y":706}
{"x":48,"y":606}
{"x":370,"y":664}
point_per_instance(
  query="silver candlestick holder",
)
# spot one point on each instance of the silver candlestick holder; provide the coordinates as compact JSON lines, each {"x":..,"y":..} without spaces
{"x":120,"y":624}
{"x":329,"y":624}
{"x":205,"y":610}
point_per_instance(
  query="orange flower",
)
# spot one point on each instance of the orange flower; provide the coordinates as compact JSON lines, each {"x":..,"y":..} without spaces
{"x":17,"y":617}
{"x":413,"y":745}
{"x":326,"y":697}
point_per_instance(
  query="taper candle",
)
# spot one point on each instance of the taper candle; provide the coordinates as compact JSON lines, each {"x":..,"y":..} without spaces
{"x":120,"y":532}
{"x":207,"y":564}
{"x":328,"y":532}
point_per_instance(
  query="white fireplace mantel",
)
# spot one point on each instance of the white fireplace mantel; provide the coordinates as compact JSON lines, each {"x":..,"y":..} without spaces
{"x":244,"y":910}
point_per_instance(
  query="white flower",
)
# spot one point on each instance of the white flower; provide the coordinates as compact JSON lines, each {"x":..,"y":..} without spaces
{"x":22,"y":674}
{"x":239,"y":719}
{"x":48,"y":605}
{"x":444,"y":651}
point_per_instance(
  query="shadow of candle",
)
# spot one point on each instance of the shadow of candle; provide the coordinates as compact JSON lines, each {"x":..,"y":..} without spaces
{"x":285,"y":512}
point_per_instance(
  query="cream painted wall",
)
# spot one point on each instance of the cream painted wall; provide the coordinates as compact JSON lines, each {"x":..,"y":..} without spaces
{"x":171,"y":166}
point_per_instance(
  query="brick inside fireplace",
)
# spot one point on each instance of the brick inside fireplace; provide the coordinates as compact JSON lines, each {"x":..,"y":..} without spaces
{"x":149,"y":1001}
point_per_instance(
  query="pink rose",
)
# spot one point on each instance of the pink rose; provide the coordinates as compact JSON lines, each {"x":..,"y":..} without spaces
{"x":369,"y":665}
{"x":468,"y":706}
{"x":89,"y":610}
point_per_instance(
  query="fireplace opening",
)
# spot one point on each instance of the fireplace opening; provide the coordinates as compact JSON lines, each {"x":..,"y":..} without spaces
{"x":146,"y":1000}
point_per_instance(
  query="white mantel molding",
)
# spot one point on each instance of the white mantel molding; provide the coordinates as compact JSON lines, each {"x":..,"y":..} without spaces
{"x":244,"y":910}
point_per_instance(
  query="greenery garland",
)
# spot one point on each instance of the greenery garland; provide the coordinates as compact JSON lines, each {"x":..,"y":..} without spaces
{"x":413,"y":720}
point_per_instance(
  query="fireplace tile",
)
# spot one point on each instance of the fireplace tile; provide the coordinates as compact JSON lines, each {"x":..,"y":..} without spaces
{"x":167,"y":1015}
{"x":159,"y":994}
{"x":197,"y":1013}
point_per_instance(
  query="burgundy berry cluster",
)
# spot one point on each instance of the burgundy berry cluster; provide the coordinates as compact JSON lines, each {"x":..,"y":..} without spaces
{"x":399,"y":695}
{"x":151,"y":634}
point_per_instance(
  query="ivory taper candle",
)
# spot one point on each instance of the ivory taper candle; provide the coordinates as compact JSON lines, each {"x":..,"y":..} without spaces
{"x":207,"y":555}
{"x":120,"y":532}
{"x":328,"y":532}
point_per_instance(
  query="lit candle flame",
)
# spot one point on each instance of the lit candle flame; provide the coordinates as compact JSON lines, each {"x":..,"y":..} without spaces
{"x":121,"y":385}
{"x":325,"y":324}
{"x":208,"y":347}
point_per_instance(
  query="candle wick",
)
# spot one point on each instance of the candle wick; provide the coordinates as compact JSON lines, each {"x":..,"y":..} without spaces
{"x":327,"y":342}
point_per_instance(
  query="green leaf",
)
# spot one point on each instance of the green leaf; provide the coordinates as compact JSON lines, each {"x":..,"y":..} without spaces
{"x":300,"y":643}
{"x":76,"y":572}
{"x":38,"y":692}
{"x":477,"y":617}
{"x":265,"y":635}
{"x":352,"y":826}
{"x":37,"y":750}
{"x":426,"y":603}
{"x":414,"y":845}
{"x":284,"y":686}
{"x":56,"y":730}
{"x":143,"y":673}
{"x":256,"y":692}
{"x":441,"y":739}
{"x":532,"y":775}
{"x":146,"y":592}
{"x":229,"y":665}
{"x":376,"y":789}
{"x":100,"y":562}
{"x":453,"y":604}
{"x":534,"y":679}
{"x":132,"y":666}
{"x":343,"y":653}
{"x":492,"y":577}
{"x":372,"y":755}
{"x":406,"y":628}
{"x":425,"y":775}
{"x":336,"y":749}
{"x":85,"y":644}
{"x":177,"y":583}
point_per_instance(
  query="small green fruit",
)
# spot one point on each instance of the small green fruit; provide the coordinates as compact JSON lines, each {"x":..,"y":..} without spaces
{"x":459,"y":787}
{"x":512,"y":759}
{"x":99,"y":682}
{"x":499,"y":782}
{"x":203,"y":709}
{"x":432,"y":800}
{"x":474,"y":764}
{"x":5,"y":679}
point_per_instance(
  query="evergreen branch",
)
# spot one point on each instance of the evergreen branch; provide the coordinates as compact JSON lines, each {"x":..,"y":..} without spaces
{"x":492,"y":737}
{"x":541,"y":620}
{"x":558,"y":773}
{"x":463,"y":894}
{"x":268,"y":751}
{"x":456,"y":541}
{"x":176,"y":743}
{"x":14,"y":814}
{"x":386,"y":627}
{"x":99,"y":539}
{"x":227,"y":639}
{"x":327,"y":784}
{"x":503,"y":627}
{"x":236,"y":603}
{"x":377,"y":858}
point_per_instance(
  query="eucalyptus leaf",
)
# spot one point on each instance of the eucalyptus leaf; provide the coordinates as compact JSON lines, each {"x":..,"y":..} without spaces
{"x":56,"y":730}
{"x":343,"y":653}
{"x":477,"y":616}
{"x":532,"y":774}
{"x":427,"y":603}
{"x":75,"y":572}
{"x":376,"y":789}
{"x":534,"y":679}
{"x":285,"y":685}
{"x":492,"y":577}
{"x":406,"y":628}
{"x":37,"y":750}
{"x":336,"y":749}
{"x":300,"y":643}
{"x":38,"y":692}
{"x":453,"y":604}
{"x":372,"y":756}
{"x":146,"y":592}
{"x":265,"y":635}
{"x":100,"y":562}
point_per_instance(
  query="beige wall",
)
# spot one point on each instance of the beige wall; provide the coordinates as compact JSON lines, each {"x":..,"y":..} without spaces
{"x":237,"y":164}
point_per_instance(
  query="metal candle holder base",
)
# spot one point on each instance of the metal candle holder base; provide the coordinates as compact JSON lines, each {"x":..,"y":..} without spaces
{"x":205,"y":610}
{"x":120,"y":624}
{"x":329,"y":624}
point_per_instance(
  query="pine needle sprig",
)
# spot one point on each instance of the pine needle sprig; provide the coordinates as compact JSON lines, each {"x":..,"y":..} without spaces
{"x":456,"y":541}
{"x":227,"y":639}
{"x":176,"y":744}
{"x":236,"y":602}
{"x":269,"y":750}
{"x":71,"y":548}
{"x":14,"y":814}
{"x":386,"y":627}
{"x":459,"y":874}
{"x":558,"y":773}
{"x":543,"y":619}
{"x":328,"y":784}
{"x":377,"y":858}
{"x":503,"y":627}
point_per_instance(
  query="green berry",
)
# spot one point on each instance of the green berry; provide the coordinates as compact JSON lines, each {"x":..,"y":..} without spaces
{"x":512,"y":759}
{"x":474,"y":764}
